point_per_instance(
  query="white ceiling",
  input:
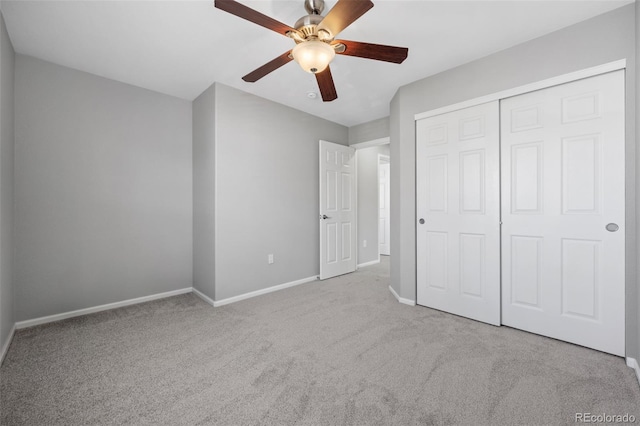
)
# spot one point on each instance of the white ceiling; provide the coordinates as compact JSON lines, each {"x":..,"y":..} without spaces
{"x":181,"y":47}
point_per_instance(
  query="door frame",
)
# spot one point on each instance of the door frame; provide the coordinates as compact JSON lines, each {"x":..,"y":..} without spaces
{"x":358,"y":146}
{"x":388,"y":159}
{"x":373,"y":142}
{"x":544,"y":84}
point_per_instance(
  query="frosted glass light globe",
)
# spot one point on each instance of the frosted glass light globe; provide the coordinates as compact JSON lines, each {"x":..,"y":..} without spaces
{"x":313,"y":56}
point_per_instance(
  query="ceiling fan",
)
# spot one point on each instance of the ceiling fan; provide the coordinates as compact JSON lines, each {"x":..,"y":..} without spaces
{"x":314,"y":35}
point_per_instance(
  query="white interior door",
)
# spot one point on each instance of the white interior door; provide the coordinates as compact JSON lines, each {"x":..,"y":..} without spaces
{"x":384,"y":225}
{"x":458,"y":230}
{"x":562,"y":183}
{"x":337,"y":210}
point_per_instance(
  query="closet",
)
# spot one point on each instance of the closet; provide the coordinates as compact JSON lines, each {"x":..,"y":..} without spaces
{"x":520,"y":208}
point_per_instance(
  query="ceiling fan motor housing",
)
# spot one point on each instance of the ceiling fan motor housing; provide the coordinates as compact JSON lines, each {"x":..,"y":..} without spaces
{"x":308,"y":24}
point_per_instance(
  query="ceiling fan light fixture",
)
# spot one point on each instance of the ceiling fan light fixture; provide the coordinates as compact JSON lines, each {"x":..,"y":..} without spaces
{"x":313,"y":56}
{"x":314,"y":36}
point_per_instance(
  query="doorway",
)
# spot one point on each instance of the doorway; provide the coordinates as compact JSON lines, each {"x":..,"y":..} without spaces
{"x":369,"y":158}
{"x":384,"y":210}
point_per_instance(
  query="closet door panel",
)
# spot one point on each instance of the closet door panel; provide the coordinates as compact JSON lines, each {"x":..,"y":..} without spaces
{"x":458,"y":232}
{"x":562,"y":153}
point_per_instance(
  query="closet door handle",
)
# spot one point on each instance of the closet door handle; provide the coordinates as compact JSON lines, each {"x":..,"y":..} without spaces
{"x":421,"y":221}
{"x":612,"y":227}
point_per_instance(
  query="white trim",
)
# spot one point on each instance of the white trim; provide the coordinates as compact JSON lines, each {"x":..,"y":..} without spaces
{"x":388,"y":158}
{"x":244,"y":296}
{"x":373,"y":262}
{"x":633,"y":363}
{"x":376,"y":142}
{"x":204,"y":297}
{"x":554,"y":81}
{"x":7,"y":343}
{"x":355,"y":208}
{"x":85,"y":311}
{"x":402,"y":299}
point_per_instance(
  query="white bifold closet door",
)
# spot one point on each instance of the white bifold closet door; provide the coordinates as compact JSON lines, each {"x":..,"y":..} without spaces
{"x":458,"y":230}
{"x":563,"y":212}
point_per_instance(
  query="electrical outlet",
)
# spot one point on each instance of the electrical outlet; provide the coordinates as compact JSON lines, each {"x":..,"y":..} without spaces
{"x":270,"y":259}
{"x":364,"y":243}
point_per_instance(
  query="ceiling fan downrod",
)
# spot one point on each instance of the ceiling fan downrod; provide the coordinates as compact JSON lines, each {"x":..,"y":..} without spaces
{"x":314,"y":7}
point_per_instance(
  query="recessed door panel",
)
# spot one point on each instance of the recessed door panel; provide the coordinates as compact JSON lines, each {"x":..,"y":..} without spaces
{"x":525,"y":271}
{"x":433,"y":133}
{"x":581,"y":174}
{"x":347,"y":237}
{"x":437,"y":184}
{"x":580,"y":278}
{"x":436,"y":257}
{"x":331,"y":177}
{"x":471,"y":128}
{"x":472,"y":182}
{"x":527,"y":117}
{"x":332,"y":243}
{"x":472,"y":264}
{"x":526,"y":178}
{"x":347,"y":198}
{"x":584,"y":106}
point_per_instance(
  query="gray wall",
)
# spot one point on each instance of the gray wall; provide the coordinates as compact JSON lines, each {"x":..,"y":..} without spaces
{"x":266,"y":191}
{"x":103,"y":190}
{"x":603,"y":39}
{"x":7,"y":58}
{"x":368,"y":205}
{"x":204,"y":190}
{"x":369,"y":131}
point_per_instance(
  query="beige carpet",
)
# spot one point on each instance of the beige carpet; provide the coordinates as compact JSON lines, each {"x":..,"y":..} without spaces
{"x":342,"y":351}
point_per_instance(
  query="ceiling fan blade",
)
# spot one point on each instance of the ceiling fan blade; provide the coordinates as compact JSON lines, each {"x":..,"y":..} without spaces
{"x":327,"y":88}
{"x":244,"y":12}
{"x":270,"y":66}
{"x":343,"y":14}
{"x":379,"y":52}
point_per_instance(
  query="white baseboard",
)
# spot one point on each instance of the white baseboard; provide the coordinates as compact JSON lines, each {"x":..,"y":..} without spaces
{"x":7,"y":343}
{"x":85,"y":311}
{"x":373,"y":262}
{"x":204,"y":297}
{"x":402,"y":299}
{"x":633,"y":363}
{"x":233,"y":299}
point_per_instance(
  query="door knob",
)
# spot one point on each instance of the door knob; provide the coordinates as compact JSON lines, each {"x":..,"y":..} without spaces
{"x":324,"y":216}
{"x":421,"y":221}
{"x":612,"y":227}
